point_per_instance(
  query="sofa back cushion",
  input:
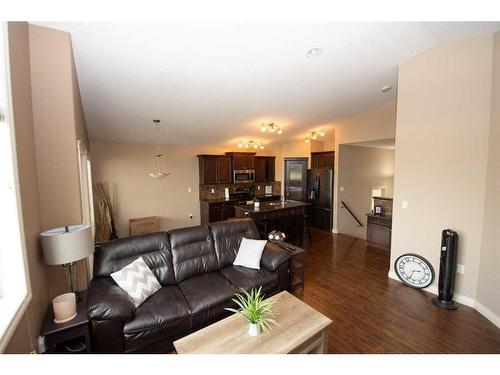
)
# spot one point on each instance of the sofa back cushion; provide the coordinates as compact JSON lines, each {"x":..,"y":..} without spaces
{"x":193,"y":252}
{"x":227,"y":237}
{"x":154,"y":248}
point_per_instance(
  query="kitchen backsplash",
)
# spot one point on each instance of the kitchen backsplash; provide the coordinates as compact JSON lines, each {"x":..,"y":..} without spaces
{"x":386,"y":204}
{"x":218,"y":190}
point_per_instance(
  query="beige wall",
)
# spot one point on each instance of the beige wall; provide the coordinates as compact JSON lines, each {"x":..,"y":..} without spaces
{"x":361,"y":169}
{"x":58,"y":121}
{"x":488,"y":291}
{"x":443,"y":120}
{"x":374,"y":124}
{"x":48,"y":120}
{"x":22,"y":341}
{"x":139,"y":195}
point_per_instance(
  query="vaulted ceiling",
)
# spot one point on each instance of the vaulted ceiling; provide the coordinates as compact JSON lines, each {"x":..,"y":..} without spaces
{"x":215,"y":83}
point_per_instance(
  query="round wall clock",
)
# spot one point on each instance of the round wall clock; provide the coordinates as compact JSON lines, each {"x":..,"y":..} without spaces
{"x":414,"y":270}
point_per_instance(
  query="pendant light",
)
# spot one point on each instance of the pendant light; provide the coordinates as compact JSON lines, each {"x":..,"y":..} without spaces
{"x":159,"y":168}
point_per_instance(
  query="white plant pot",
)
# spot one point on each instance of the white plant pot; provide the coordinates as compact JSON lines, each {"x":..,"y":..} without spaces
{"x":253,"y":329}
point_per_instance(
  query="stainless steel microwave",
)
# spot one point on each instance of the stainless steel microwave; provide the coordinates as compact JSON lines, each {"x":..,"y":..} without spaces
{"x":243,"y":176}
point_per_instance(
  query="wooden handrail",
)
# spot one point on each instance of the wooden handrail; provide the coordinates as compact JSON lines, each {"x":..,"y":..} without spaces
{"x":352,"y":214}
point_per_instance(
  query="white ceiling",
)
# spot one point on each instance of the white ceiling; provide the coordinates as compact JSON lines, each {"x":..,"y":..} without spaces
{"x":215,"y":83}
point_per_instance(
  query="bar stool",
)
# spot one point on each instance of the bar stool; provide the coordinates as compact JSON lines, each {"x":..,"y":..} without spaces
{"x":262,"y":227}
{"x":307,"y":225}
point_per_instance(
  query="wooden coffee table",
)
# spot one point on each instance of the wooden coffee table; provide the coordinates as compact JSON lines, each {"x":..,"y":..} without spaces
{"x":301,"y":330}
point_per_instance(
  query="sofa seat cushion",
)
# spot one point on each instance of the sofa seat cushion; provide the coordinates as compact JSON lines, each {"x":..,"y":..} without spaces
{"x":163,"y":315}
{"x":247,"y":278}
{"x":207,"y":295}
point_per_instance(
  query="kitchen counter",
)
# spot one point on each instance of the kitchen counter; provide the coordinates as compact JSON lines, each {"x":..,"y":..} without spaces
{"x":269,"y":197}
{"x":272,"y":206}
{"x":269,"y":216}
{"x":220,"y":200}
{"x":387,"y":217}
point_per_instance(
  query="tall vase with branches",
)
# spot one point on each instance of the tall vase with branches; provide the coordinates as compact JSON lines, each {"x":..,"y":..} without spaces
{"x":106,"y":197}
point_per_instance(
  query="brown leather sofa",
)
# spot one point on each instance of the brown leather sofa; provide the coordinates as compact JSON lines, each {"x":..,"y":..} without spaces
{"x":195,"y":268}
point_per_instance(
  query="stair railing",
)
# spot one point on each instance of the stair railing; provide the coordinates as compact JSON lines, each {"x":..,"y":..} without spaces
{"x":360,"y":224}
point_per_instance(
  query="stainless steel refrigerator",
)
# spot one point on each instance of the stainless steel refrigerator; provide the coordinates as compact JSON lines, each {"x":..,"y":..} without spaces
{"x":320,"y":195}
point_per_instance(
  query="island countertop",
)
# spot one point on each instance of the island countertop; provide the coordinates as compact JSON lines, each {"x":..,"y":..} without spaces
{"x":271,"y":206}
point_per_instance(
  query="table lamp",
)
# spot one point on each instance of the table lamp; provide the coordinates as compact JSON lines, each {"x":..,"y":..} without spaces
{"x":67,"y":245}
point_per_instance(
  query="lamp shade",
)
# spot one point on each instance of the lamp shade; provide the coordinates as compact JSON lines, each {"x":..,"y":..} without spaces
{"x":61,"y":246}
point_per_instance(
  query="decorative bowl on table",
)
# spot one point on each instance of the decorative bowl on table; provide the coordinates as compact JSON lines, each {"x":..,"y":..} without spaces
{"x":276,"y":236}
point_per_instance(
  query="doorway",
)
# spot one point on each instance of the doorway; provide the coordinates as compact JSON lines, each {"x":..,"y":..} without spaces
{"x":365,"y":190}
{"x":296,"y":178}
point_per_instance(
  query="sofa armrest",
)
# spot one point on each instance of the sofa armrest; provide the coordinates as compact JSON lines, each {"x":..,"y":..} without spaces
{"x":107,"y":301}
{"x":273,"y":256}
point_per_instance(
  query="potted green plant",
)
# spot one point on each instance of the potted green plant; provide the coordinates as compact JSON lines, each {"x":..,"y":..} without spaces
{"x":253,"y":307}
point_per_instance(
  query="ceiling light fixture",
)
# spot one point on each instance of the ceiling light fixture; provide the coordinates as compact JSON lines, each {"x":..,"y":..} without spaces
{"x":251,"y":144}
{"x":386,"y":88}
{"x":271,"y":126}
{"x":314,"y":135}
{"x":313,"y":53}
{"x":159,"y":168}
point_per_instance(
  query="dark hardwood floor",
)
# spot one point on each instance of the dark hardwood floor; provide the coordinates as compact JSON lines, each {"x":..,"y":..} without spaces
{"x":347,"y":281}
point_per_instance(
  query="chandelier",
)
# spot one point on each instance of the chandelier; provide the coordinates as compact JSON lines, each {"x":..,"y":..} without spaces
{"x":314,"y":135}
{"x":159,"y":170}
{"x":251,"y":144}
{"x":271,"y":127}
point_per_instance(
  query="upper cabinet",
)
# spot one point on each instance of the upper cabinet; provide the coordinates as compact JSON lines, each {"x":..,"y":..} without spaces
{"x":323,"y":160}
{"x":264,"y":168}
{"x":218,"y":169}
{"x":214,"y":169}
{"x":242,"y":160}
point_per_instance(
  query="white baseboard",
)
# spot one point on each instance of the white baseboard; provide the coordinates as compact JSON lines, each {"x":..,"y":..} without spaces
{"x":434,"y":290}
{"x":334,"y":230}
{"x":488,"y":314}
{"x":479,"y":307}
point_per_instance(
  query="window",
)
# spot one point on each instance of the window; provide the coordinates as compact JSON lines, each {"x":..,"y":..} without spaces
{"x":14,"y":285}
{"x":87,"y":199}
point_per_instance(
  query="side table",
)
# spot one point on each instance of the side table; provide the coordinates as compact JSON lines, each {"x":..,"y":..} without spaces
{"x":297,"y":255}
{"x":70,"y":337}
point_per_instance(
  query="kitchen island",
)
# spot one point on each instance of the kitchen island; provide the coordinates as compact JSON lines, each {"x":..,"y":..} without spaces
{"x":287,"y":217}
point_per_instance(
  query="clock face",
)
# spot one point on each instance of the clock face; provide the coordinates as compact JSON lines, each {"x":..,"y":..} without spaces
{"x":414,"y":270}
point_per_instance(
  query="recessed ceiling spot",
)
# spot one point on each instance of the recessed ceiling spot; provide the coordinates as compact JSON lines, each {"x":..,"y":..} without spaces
{"x":313,"y":53}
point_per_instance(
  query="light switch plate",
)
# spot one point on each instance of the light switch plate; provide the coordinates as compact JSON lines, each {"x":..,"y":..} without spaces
{"x":460,"y":268}
{"x":189,"y":190}
{"x":404,"y":204}
{"x":341,"y":188}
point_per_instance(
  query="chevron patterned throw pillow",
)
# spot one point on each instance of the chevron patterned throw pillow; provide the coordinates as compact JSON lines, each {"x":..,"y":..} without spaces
{"x":137,"y":280}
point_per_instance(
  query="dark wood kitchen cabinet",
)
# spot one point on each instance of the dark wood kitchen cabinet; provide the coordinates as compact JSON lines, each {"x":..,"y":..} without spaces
{"x":378,"y":231}
{"x":323,"y":159}
{"x":216,"y":211}
{"x":264,"y":168}
{"x":242,"y":160}
{"x":214,"y":169}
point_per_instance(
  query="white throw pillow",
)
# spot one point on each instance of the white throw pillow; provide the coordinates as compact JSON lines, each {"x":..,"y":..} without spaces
{"x":250,"y":253}
{"x":137,"y":280}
